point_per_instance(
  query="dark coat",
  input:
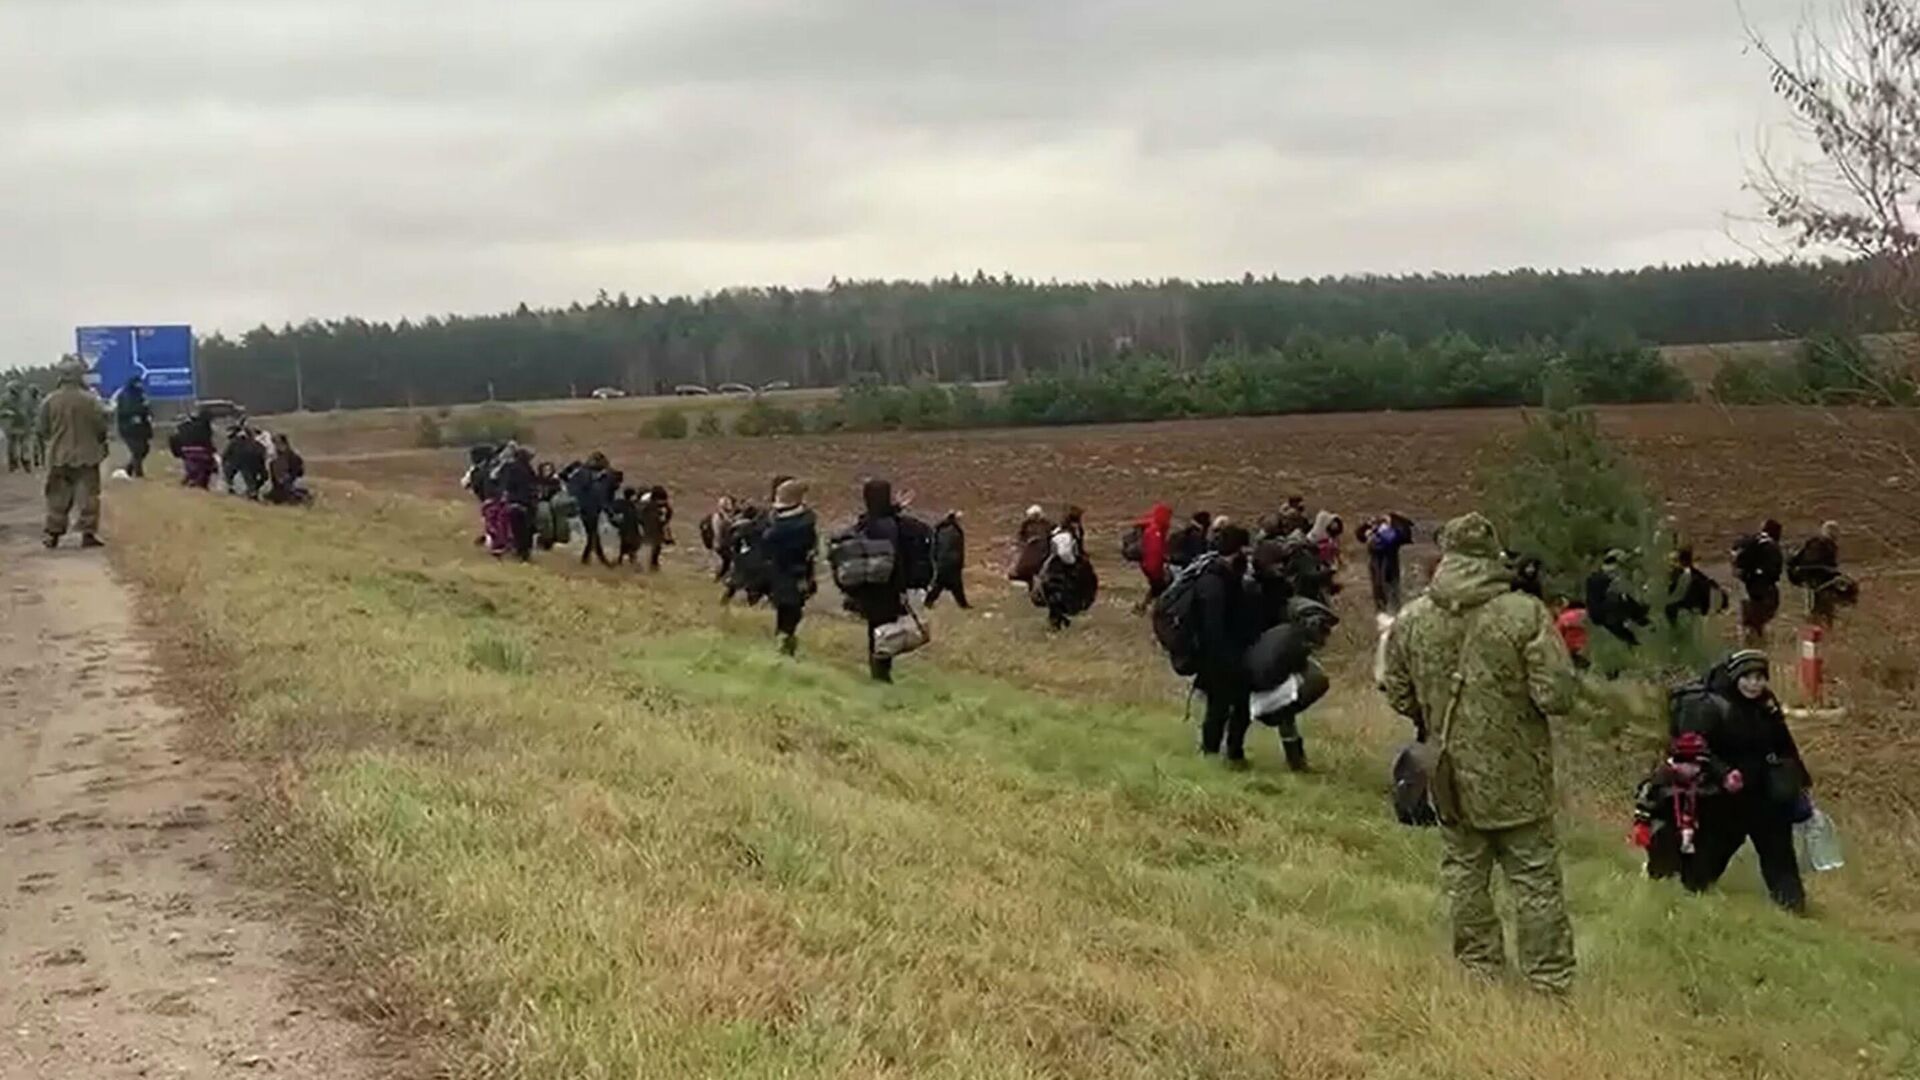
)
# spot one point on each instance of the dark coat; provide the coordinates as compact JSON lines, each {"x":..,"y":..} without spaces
{"x":949,"y":548}
{"x":1225,"y":624}
{"x":789,"y":544}
{"x":1745,"y":734}
{"x":517,"y":483}
{"x":132,"y":415}
{"x":1757,"y":561}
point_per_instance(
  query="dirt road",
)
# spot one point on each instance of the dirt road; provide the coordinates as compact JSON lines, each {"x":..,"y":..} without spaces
{"x":127,"y":947}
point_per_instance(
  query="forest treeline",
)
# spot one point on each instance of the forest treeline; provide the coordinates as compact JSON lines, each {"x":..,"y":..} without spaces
{"x":1309,"y":374}
{"x":981,"y":328}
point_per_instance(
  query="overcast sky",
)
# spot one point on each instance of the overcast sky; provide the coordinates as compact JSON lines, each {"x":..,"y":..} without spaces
{"x":228,"y":162}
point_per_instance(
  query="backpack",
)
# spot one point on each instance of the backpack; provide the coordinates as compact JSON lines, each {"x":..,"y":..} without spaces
{"x":916,"y":551}
{"x":1174,"y":626}
{"x":1693,"y":707}
{"x":1402,"y":525}
{"x":1133,"y":543}
{"x":859,"y":561}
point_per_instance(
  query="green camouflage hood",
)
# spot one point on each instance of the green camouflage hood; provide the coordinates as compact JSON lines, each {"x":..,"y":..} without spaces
{"x":1473,"y":570}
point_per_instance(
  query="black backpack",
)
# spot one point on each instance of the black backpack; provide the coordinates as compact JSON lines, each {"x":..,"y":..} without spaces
{"x":916,"y":552}
{"x":1693,"y":707}
{"x":1174,"y":625}
{"x":1133,"y":543}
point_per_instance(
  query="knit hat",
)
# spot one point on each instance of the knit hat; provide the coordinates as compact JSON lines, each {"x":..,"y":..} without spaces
{"x":1034,"y":513}
{"x":1748,"y":662}
{"x":790,"y":493}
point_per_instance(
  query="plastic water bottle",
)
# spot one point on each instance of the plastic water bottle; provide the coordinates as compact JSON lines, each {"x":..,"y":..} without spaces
{"x":1821,"y":842}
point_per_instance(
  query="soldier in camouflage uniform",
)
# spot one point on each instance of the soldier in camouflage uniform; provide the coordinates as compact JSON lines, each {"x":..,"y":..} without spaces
{"x":1482,"y":667}
{"x":37,"y":438}
{"x":18,"y":418}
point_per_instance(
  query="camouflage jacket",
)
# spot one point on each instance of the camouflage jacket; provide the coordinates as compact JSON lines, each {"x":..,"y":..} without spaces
{"x":74,"y":422}
{"x":1513,"y":673}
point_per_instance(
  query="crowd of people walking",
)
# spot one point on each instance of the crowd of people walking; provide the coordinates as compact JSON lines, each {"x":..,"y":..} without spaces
{"x":1479,"y":662}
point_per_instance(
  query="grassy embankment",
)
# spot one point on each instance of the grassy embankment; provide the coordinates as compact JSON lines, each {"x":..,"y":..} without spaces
{"x":587,"y":831}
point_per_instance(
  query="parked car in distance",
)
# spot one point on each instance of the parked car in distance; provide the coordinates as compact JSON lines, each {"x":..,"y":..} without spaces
{"x":607,"y":393}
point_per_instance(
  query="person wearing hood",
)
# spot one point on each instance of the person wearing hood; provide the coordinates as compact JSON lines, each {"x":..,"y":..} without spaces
{"x":1283,"y":677}
{"x":1480,"y":667}
{"x":949,"y":561}
{"x":74,"y":422}
{"x":1325,"y":537}
{"x":1766,"y":783}
{"x":885,"y":602}
{"x":789,"y":544}
{"x":134,"y":417}
{"x":1193,"y":540}
{"x":1156,"y":535}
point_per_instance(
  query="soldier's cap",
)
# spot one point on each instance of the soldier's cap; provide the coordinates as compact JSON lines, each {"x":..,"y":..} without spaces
{"x":1472,"y":535}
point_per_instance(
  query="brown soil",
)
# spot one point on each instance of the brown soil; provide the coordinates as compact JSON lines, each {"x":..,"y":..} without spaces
{"x":1721,"y":471}
{"x":127,"y":947}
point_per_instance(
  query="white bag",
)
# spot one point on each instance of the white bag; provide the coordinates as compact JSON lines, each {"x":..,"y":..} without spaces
{"x":1268,"y":702}
{"x":906,"y":634}
{"x":1821,"y":842}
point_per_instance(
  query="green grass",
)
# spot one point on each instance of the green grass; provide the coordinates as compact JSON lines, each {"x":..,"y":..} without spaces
{"x":594,"y":830}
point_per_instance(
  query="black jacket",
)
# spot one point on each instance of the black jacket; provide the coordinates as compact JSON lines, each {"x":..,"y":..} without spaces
{"x":1225,"y":625}
{"x":517,"y":483}
{"x":624,"y":515}
{"x":1745,"y":734}
{"x":789,"y":544}
{"x":949,"y":547}
{"x":1816,"y":564}
{"x":1757,"y":560}
{"x":133,"y":415}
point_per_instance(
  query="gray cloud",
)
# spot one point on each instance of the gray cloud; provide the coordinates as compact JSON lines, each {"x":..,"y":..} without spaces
{"x":228,"y":162}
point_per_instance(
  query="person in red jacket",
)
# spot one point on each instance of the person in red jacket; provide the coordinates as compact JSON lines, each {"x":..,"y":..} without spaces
{"x":1153,"y":546}
{"x":1156,"y":533}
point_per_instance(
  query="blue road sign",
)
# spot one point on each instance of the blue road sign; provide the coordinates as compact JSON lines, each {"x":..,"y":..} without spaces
{"x":162,"y":355}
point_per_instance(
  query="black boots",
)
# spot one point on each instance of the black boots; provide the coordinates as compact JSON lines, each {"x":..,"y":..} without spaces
{"x":1296,"y":750}
{"x":789,"y":645}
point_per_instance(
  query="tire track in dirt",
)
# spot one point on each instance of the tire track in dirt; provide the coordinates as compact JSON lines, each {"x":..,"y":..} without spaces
{"x":127,"y":948}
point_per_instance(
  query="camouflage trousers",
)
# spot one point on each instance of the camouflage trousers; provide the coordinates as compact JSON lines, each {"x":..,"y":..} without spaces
{"x":70,"y":484}
{"x":1530,"y":858}
{"x":19,"y":451}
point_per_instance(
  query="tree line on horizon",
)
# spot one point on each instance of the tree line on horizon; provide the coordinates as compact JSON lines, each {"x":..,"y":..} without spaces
{"x":982,"y":328}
